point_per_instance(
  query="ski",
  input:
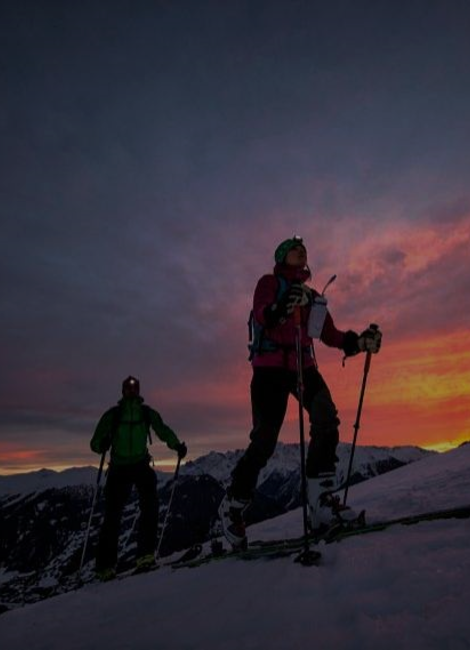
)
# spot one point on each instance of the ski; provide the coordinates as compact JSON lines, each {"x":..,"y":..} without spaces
{"x":269,"y":551}
{"x":281,"y":548}
{"x":260,"y":549}
{"x":462,"y":512}
{"x":186,"y":556}
{"x":340,"y":531}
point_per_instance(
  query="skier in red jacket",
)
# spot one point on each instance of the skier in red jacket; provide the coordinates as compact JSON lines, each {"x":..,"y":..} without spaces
{"x":274,"y":361}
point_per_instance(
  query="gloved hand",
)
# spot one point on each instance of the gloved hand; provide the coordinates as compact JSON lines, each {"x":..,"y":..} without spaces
{"x":370,"y":340}
{"x":297,"y":295}
{"x":181,"y":450}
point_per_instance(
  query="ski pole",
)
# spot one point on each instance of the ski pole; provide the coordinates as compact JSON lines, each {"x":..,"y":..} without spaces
{"x":367,"y":361}
{"x":306,"y":556}
{"x":175,"y":480}
{"x":92,"y":510}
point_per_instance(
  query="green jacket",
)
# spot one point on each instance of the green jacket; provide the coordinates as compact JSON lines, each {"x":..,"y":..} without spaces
{"x":126,"y":429}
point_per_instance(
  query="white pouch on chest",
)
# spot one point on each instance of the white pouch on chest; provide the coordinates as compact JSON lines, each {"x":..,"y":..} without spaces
{"x":317,"y":317}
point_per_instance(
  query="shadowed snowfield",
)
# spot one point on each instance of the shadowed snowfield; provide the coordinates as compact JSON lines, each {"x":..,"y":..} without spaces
{"x":407,"y":587}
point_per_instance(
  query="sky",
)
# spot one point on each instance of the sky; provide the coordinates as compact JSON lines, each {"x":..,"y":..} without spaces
{"x":402,"y":588}
{"x":154,"y":154}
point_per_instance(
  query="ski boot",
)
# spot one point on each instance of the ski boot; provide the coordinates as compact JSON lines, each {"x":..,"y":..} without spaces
{"x":106,"y":574}
{"x":231,"y":518}
{"x":327,"y":514}
{"x":322,"y":514}
{"x":145,"y":563}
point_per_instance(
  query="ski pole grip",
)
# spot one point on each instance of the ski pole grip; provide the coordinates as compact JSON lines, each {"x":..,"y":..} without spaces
{"x":374,"y":327}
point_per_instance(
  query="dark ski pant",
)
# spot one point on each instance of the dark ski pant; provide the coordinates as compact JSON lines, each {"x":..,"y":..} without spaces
{"x":121,"y":479}
{"x":270,"y":390}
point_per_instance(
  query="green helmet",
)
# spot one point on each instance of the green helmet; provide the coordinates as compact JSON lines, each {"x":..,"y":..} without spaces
{"x":285,"y":246}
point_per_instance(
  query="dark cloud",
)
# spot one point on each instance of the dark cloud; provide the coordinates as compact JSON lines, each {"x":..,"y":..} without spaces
{"x":155,"y":154}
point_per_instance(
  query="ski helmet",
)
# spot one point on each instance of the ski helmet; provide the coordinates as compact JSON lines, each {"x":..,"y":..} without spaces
{"x":131,"y":383}
{"x":285,"y":246}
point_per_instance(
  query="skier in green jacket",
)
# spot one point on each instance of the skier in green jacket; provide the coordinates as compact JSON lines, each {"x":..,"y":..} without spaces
{"x":125,"y":429}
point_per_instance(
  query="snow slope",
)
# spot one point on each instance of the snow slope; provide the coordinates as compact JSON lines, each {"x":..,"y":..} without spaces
{"x":404,"y":588}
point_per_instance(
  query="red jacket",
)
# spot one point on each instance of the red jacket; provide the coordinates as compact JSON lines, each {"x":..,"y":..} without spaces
{"x":284,"y":334}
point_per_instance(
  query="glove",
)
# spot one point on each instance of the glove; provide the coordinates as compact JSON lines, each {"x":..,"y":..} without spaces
{"x":181,"y":450}
{"x":297,"y":295}
{"x":370,"y":340}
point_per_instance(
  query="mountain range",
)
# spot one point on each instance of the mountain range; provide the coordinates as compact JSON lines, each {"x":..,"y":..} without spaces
{"x":44,"y":514}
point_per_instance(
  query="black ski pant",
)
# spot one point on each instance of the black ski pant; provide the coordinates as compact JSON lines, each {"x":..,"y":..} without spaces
{"x":121,"y":479}
{"x":270,"y":390}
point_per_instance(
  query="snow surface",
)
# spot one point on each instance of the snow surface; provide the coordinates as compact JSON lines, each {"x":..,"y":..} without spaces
{"x":407,"y":587}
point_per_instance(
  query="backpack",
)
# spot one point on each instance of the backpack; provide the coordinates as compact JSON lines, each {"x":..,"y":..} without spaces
{"x":257,"y":341}
{"x":117,"y":419}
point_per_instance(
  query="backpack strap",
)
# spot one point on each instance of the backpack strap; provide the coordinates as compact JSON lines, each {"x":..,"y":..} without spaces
{"x":148,"y":421}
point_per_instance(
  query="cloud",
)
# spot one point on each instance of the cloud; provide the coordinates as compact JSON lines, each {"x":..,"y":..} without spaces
{"x":147,"y":183}
{"x":412,"y":278}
